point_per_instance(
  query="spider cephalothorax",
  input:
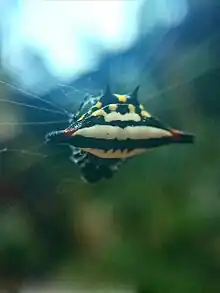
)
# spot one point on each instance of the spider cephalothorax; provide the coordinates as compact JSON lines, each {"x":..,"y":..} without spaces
{"x":114,"y":128}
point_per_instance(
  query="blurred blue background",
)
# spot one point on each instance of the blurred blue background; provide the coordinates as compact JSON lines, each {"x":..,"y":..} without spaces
{"x":155,"y":226}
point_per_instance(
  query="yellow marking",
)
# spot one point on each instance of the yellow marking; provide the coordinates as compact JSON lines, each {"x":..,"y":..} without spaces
{"x":116,"y":154}
{"x":114,"y":116}
{"x":122,"y":98}
{"x":100,"y":112}
{"x":113,"y":107}
{"x":98,"y":105}
{"x":141,"y":107}
{"x":131,"y":108}
{"x":81,"y":118}
{"x":145,"y":114}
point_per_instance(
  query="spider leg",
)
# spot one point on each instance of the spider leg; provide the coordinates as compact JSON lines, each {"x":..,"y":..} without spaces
{"x":94,"y":169}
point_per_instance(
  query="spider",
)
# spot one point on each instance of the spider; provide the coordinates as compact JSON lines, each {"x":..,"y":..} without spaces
{"x":108,"y":130}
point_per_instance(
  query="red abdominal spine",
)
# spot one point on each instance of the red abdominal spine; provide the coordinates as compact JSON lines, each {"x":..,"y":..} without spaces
{"x":69,"y":131}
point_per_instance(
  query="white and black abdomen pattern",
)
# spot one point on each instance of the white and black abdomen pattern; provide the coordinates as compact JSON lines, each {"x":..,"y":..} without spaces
{"x":94,"y":169}
{"x":109,"y":129}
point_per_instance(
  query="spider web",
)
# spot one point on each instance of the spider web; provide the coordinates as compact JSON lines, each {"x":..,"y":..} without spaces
{"x":67,"y":99}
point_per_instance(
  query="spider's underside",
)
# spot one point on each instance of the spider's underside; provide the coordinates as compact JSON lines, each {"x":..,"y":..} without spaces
{"x":109,"y":129}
